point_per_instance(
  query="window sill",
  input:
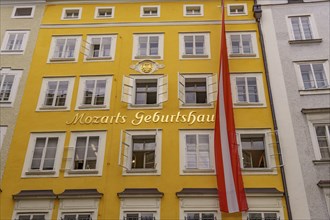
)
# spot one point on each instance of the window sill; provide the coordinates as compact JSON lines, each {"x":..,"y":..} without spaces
{"x":83,"y":172}
{"x":195,"y":56}
{"x":103,"y":17}
{"x":98,"y":58}
{"x":314,"y":91}
{"x":61,"y":59}
{"x":196,"y":105}
{"x":322,"y":161}
{"x":53,"y":108}
{"x":147,"y":106}
{"x":242,"y":55}
{"x":198,"y":171}
{"x":317,"y":40}
{"x":92,"y":107}
{"x":141,"y":171}
{"x":37,"y":173}
{"x":147,"y":57}
{"x":12,"y":51}
{"x":257,"y":170}
{"x":248,"y":105}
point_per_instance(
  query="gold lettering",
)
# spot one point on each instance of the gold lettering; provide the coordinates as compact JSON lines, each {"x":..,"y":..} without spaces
{"x":77,"y":117}
{"x":123,"y":119}
{"x":164,"y":118}
{"x":208,"y":118}
{"x":138,"y":117}
{"x":191,"y":117}
{"x":200,"y":118}
{"x":88,"y":120}
{"x":147,"y":118}
{"x":104,"y":119}
{"x":155,"y":117}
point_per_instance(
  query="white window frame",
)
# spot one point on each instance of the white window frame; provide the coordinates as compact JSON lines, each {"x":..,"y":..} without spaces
{"x":317,"y":119}
{"x":143,"y":15}
{"x":97,"y":15}
{"x":126,"y":151}
{"x":64,"y":11}
{"x":207,"y":51}
{"x":260,"y":88}
{"x":241,"y":54}
{"x":91,"y":214}
{"x":229,"y":13}
{"x":186,"y":7}
{"x":5,"y":42}
{"x":269,"y":144}
{"x":27,"y":16}
{"x":197,"y":171}
{"x":17,"y":77}
{"x":43,"y":92}
{"x":69,"y":170}
{"x":81,"y":89}
{"x":53,"y":59}
{"x":27,"y":171}
{"x":206,"y":204}
{"x":79,"y":205}
{"x":140,"y":204}
{"x":129,"y":90}
{"x":314,"y":32}
{"x":33,"y":206}
{"x":211,"y":89}
{"x":88,"y":50}
{"x":311,"y":91}
{"x":137,"y":56}
{"x":262,"y":214}
{"x":3,"y":130}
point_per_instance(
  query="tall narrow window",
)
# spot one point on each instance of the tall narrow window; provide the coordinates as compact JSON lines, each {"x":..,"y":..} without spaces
{"x":301,"y":27}
{"x":313,"y":76}
{"x":323,"y":139}
{"x":14,"y":41}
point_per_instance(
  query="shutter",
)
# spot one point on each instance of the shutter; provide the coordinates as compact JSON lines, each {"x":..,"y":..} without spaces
{"x":124,"y":148}
{"x":127,"y":90}
{"x":181,"y":88}
{"x":84,"y":48}
{"x":162,"y":89}
{"x":212,"y":88}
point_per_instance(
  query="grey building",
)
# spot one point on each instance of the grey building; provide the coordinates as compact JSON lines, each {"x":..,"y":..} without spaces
{"x":296,"y":37}
{"x":20,"y":21}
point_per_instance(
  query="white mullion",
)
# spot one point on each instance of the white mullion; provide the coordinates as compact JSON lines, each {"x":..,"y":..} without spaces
{"x":247,"y":97}
{"x":313,"y":75}
{"x":55,"y":93}
{"x":15,"y":40}
{"x":86,"y":151}
{"x":64,"y":48}
{"x":197,"y":150}
{"x":240,"y":44}
{"x":94,"y":91}
{"x":101,"y":48}
{"x":148,"y":46}
{"x":43,"y":155}
{"x":301,"y":29}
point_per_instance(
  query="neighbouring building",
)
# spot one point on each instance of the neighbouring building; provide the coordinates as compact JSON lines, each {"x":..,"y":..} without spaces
{"x":117,"y":117}
{"x":296,"y":35}
{"x":19,"y":26}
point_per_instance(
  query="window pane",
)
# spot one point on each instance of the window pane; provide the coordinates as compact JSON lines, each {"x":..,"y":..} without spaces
{"x":307,"y":77}
{"x":50,"y":153}
{"x":59,"y":48}
{"x":241,"y":89}
{"x":89,"y":91}
{"x":70,"y":217}
{"x":253,"y":149}
{"x":189,"y":44}
{"x":80,"y":153}
{"x":319,"y":74}
{"x":255,"y":216}
{"x":296,"y":28}
{"x":23,"y":11}
{"x":235,"y":43}
{"x":6,"y":85}
{"x":92,"y":151}
{"x":153,"y":45}
{"x":38,"y":217}
{"x":306,"y":27}
{"x":208,"y":216}
{"x":193,"y":216}
{"x":106,"y":45}
{"x":24,"y":217}
{"x":61,"y":93}
{"x":253,"y":89}
{"x":270,"y":216}
{"x":84,"y":217}
{"x":142,"y":51}
{"x":37,"y":154}
{"x":246,"y":42}
{"x":19,"y":41}
{"x":70,"y":48}
{"x":132,"y":216}
{"x":199,"y":43}
{"x":100,"y":92}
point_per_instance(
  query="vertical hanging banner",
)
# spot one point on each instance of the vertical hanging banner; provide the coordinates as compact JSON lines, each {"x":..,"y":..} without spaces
{"x":229,"y":178}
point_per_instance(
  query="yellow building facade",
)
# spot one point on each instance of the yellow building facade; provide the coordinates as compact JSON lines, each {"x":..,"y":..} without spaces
{"x":117,"y":116}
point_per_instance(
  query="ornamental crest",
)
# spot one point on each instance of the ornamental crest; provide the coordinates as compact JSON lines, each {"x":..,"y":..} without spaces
{"x":146,"y":66}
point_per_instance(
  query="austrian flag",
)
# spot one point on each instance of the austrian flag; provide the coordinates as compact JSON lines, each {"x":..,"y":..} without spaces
{"x":229,"y":178}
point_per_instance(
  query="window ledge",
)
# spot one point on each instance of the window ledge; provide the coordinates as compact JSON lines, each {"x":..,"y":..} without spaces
{"x":141,"y":171}
{"x":198,"y":171}
{"x":5,"y":103}
{"x":52,"y":107}
{"x":92,"y":107}
{"x":242,"y":55}
{"x":316,"y":40}
{"x":12,"y":51}
{"x":145,"y":106}
{"x":322,"y":161}
{"x":61,"y":59}
{"x":147,"y":57}
{"x":257,"y":170}
{"x":196,"y":105}
{"x":98,"y":58}
{"x":40,"y":172}
{"x":83,"y":172}
{"x":248,"y":104}
{"x":315,"y":91}
{"x":195,"y":56}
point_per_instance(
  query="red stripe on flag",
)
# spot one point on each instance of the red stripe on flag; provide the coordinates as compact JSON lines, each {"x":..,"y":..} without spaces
{"x":229,"y":178}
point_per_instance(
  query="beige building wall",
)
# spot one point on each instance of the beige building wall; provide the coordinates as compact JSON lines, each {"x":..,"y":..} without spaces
{"x":15,"y":61}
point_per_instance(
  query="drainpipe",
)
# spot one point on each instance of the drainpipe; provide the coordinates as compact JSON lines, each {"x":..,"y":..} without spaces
{"x":257,"y":14}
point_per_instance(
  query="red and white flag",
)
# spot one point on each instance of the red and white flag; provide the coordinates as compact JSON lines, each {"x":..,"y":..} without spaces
{"x":229,"y":178}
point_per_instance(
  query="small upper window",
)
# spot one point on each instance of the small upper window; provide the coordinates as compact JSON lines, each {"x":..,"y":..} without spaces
{"x":23,"y":12}
{"x":150,"y":11}
{"x":104,"y":12}
{"x":193,"y":10}
{"x":237,"y":9}
{"x":71,"y":13}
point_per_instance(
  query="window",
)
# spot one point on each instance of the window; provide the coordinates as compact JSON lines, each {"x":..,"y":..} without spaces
{"x":3,"y":130}
{"x":94,"y":92}
{"x":23,"y":12}
{"x":56,"y":93}
{"x":193,"y":10}
{"x":150,"y":11}
{"x":247,"y":90}
{"x":139,"y":216}
{"x":200,"y":216}
{"x":197,"y":89}
{"x":77,"y":216}
{"x":9,"y":81}
{"x":242,"y":44}
{"x":64,"y":48}
{"x":313,"y":76}
{"x":14,"y":42}
{"x":195,"y":45}
{"x":256,"y":149}
{"x":322,"y":132}
{"x":44,"y":154}
{"x":196,"y":150}
{"x":86,"y":153}
{"x":301,"y":28}
{"x":71,"y":13}
{"x":237,"y":9}
{"x":262,"y":216}
{"x":29,"y":216}
{"x":104,"y":12}
{"x":101,"y":47}
{"x":148,"y":46}
{"x":140,"y":152}
{"x":145,"y":91}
